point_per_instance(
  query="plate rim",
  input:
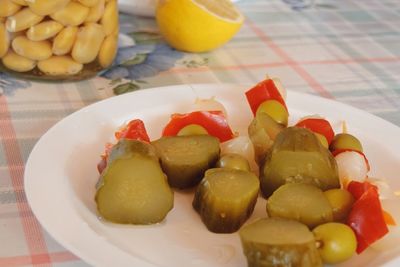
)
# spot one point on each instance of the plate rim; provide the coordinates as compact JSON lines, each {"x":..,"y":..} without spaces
{"x":28,"y":166}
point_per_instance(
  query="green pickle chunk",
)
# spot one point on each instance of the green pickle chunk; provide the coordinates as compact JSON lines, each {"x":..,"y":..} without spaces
{"x":185,"y":158}
{"x":322,"y":139}
{"x":263,"y":130}
{"x":297,"y":156}
{"x":225,"y":198}
{"x":270,"y":242}
{"x":301,"y":202}
{"x":133,"y":189}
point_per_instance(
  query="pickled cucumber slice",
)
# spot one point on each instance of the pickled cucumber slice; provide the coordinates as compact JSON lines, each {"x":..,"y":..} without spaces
{"x":297,"y":156}
{"x":126,"y":148}
{"x":301,"y":202}
{"x":225,"y":198}
{"x":271,"y":242}
{"x":133,"y":189}
{"x":185,"y":158}
{"x":263,"y":130}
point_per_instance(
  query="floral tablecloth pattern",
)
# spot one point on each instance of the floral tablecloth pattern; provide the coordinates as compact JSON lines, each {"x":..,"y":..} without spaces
{"x":344,"y":50}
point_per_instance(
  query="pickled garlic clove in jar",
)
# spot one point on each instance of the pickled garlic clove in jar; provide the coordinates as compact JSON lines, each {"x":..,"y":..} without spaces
{"x":44,"y":30}
{"x":60,"y":66}
{"x":81,"y":36}
{"x":96,"y":12}
{"x":4,"y":40}
{"x":20,"y":2}
{"x":110,"y":17}
{"x":18,"y":63}
{"x":64,"y":41}
{"x":22,"y":20}
{"x":8,"y":8}
{"x":88,"y":3}
{"x":46,"y":7}
{"x":73,"y":14}
{"x":88,"y":43}
{"x":108,"y":50}
{"x":40,"y":50}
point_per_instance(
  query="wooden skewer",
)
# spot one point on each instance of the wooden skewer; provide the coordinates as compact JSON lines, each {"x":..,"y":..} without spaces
{"x":344,"y":127}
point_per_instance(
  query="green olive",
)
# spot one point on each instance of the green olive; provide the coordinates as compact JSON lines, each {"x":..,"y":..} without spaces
{"x":192,"y":129}
{"x":336,"y":242}
{"x":341,"y":201}
{"x":233,"y":161}
{"x":322,"y":139}
{"x":276,"y":110}
{"x":345,"y":141}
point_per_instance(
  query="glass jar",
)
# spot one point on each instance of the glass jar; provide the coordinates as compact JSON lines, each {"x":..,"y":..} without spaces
{"x":58,"y":39}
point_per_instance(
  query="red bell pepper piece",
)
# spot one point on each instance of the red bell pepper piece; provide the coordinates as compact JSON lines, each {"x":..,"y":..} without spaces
{"x":134,"y":130}
{"x":213,"y":121}
{"x":366,"y":217}
{"x":357,"y":189}
{"x":103,"y":162}
{"x":263,"y":91}
{"x":318,"y":125}
{"x":338,"y":151}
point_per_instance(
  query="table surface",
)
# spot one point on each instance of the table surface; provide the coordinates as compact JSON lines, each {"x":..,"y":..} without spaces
{"x":344,"y":50}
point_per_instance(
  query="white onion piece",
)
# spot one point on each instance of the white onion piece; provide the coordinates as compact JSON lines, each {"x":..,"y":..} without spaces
{"x":241,"y":145}
{"x":385,"y":192}
{"x":280,"y":87}
{"x":351,"y":166}
{"x":209,"y":104}
{"x":391,"y":239}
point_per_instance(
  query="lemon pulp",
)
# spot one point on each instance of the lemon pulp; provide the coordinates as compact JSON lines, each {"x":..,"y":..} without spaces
{"x":197,"y":25}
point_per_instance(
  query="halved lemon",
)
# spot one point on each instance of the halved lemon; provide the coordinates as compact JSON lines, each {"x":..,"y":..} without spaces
{"x":198,"y":25}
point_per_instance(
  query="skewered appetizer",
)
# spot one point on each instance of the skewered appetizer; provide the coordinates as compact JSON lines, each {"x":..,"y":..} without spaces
{"x":321,"y":205}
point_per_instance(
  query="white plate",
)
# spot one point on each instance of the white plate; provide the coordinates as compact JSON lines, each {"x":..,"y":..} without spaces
{"x":138,"y":7}
{"x":61,"y":174}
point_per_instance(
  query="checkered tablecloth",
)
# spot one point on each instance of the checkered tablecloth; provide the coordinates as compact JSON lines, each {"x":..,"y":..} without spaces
{"x":347,"y":50}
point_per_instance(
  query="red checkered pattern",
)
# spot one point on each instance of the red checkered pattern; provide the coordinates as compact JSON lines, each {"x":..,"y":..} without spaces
{"x":345,"y":50}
